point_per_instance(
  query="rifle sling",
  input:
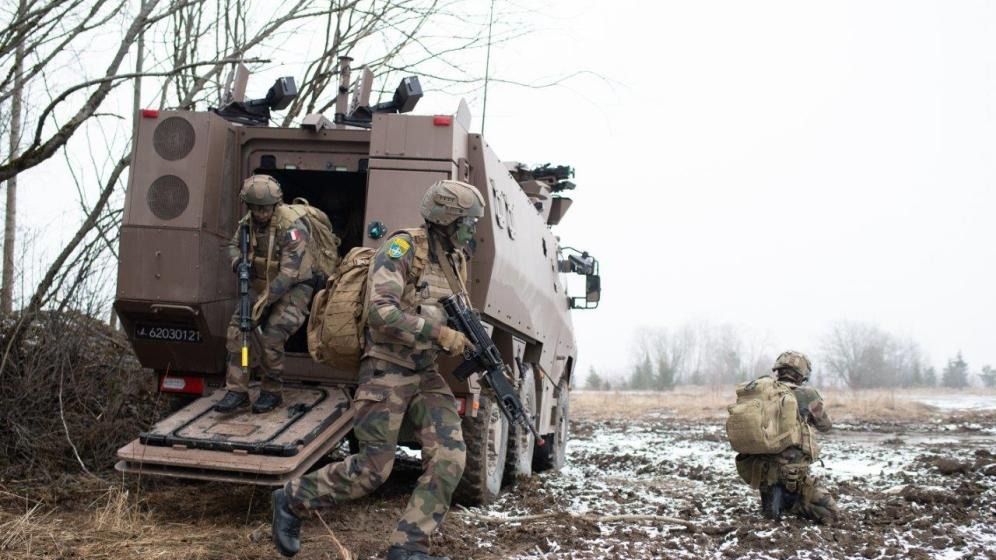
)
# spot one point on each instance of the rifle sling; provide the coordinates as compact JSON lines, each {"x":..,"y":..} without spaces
{"x":450,"y":270}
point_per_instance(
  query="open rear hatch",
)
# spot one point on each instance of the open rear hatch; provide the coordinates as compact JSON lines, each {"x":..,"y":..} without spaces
{"x":266,"y":449}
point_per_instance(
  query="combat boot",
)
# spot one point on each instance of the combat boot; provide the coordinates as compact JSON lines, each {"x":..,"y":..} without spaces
{"x":399,"y":553}
{"x":286,"y":525}
{"x":773,"y":501}
{"x":266,"y":402}
{"x":232,"y":400}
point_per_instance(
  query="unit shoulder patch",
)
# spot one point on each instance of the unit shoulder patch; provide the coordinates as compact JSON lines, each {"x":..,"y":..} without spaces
{"x":398,"y":247}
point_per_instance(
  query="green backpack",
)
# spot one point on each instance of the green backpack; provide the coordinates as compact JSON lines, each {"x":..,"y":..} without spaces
{"x":765,"y":419}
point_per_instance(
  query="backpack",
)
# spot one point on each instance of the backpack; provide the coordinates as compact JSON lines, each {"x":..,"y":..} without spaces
{"x":323,"y":244}
{"x":339,"y":312}
{"x":765,"y":419}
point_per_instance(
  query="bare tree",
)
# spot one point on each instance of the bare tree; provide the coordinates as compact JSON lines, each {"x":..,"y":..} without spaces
{"x":45,"y":142}
{"x":202,"y":40}
{"x":862,"y":355}
{"x":10,"y":212}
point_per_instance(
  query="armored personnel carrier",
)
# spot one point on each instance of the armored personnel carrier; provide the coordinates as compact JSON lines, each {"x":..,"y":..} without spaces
{"x":367,"y":168}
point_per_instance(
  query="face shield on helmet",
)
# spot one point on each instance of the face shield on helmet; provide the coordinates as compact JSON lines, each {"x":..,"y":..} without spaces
{"x":466,"y":227}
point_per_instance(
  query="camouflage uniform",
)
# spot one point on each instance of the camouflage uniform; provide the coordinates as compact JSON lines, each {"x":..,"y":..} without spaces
{"x":288,"y":294}
{"x":790,"y":468}
{"x":398,"y":376}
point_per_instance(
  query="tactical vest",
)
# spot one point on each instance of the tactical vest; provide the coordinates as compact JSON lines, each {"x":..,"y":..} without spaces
{"x":324,"y":244}
{"x":420,"y":297}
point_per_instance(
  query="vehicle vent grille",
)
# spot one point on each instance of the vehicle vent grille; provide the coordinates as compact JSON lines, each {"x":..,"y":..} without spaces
{"x":173,"y":139}
{"x":168,"y":197}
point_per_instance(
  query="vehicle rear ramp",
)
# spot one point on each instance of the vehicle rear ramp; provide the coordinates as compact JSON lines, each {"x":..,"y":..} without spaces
{"x":265,"y":449}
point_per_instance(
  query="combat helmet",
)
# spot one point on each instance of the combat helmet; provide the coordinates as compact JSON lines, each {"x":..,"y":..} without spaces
{"x":261,"y":190}
{"x":446,"y":201}
{"x":795,"y":364}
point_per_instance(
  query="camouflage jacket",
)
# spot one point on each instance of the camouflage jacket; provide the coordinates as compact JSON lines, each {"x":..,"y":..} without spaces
{"x":289,"y":263}
{"x":813,"y":412}
{"x":811,"y":407}
{"x":404,"y":316}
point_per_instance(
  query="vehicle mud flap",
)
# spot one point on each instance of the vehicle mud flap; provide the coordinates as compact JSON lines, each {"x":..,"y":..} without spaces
{"x":521,"y":441}
{"x":553,"y":454}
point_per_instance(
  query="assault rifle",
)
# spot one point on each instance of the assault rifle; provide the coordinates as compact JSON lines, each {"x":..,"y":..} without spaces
{"x":485,"y":356}
{"x":245,"y":307}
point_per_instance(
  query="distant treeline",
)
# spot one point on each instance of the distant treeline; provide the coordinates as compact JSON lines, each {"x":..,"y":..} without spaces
{"x":851,"y":354}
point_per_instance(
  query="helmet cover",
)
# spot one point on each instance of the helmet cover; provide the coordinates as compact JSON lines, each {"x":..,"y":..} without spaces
{"x":447,"y":200}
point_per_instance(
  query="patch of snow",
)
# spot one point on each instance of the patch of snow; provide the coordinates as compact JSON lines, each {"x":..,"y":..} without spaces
{"x":959,"y":402}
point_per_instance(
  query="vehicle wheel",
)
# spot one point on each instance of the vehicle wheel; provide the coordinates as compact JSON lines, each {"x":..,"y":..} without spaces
{"x":522,"y":441}
{"x":486,"y":436}
{"x":553,"y":454}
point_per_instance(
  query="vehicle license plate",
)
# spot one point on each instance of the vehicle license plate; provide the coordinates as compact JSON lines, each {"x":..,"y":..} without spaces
{"x":167,"y":333}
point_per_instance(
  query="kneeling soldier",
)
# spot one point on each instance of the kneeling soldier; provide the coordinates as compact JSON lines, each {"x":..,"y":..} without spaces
{"x":783,"y":479}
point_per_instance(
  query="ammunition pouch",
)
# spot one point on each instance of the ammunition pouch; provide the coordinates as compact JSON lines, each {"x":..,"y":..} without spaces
{"x":262,"y":272}
{"x":792,"y":475}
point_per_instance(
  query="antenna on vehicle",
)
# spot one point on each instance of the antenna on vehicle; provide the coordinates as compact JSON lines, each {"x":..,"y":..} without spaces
{"x":487,"y":66}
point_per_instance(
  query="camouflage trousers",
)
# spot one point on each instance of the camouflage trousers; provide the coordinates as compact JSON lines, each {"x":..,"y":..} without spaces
{"x":806,"y":496}
{"x":388,"y":392}
{"x":266,"y":345}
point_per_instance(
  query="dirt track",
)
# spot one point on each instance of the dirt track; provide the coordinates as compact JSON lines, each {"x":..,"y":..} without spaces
{"x":908,"y":490}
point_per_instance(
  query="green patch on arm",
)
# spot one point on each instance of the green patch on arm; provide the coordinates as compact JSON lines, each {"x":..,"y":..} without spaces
{"x":398,"y":247}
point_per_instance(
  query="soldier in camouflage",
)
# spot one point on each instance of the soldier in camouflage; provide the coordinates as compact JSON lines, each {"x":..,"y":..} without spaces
{"x":784,"y":479}
{"x":406,"y":328}
{"x":283,"y":283}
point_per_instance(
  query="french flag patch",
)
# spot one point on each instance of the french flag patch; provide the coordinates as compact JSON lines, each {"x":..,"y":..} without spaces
{"x":294,"y":235}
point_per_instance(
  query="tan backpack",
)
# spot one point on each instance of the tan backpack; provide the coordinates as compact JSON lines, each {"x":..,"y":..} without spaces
{"x":323,"y":244}
{"x":765,"y":418}
{"x":339,"y":312}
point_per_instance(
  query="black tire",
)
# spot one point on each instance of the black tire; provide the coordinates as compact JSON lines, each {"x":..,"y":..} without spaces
{"x":521,"y":440}
{"x":553,"y":453}
{"x":486,"y":436}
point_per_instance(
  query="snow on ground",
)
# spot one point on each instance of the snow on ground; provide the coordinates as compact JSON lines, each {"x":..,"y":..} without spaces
{"x":959,"y":402}
{"x":912,"y":492}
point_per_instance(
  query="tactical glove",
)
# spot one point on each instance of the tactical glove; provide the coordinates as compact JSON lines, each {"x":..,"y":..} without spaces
{"x":453,"y":341}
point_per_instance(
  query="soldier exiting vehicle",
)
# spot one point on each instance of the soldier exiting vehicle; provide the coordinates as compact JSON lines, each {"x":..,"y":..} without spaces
{"x":285,"y":266}
{"x":771,"y":425}
{"x":406,"y":328}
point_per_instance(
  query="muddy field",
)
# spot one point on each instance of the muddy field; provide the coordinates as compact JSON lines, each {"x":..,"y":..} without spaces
{"x":923,"y":488}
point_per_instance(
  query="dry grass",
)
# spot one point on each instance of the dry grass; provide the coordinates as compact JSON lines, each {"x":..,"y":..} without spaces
{"x":702,"y":402}
{"x":122,"y":524}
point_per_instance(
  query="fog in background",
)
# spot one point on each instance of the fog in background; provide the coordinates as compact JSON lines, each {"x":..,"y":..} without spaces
{"x":776,"y":166}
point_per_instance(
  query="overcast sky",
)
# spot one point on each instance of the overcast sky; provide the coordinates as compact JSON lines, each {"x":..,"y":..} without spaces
{"x":776,"y":165}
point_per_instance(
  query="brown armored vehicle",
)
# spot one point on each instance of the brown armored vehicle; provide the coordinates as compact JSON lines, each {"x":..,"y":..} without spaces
{"x":367,"y":169}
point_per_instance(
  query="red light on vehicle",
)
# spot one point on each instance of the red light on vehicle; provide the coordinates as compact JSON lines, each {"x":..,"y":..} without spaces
{"x":442,"y":120}
{"x":150,"y":113}
{"x":190,"y":385}
{"x":461,"y":406}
